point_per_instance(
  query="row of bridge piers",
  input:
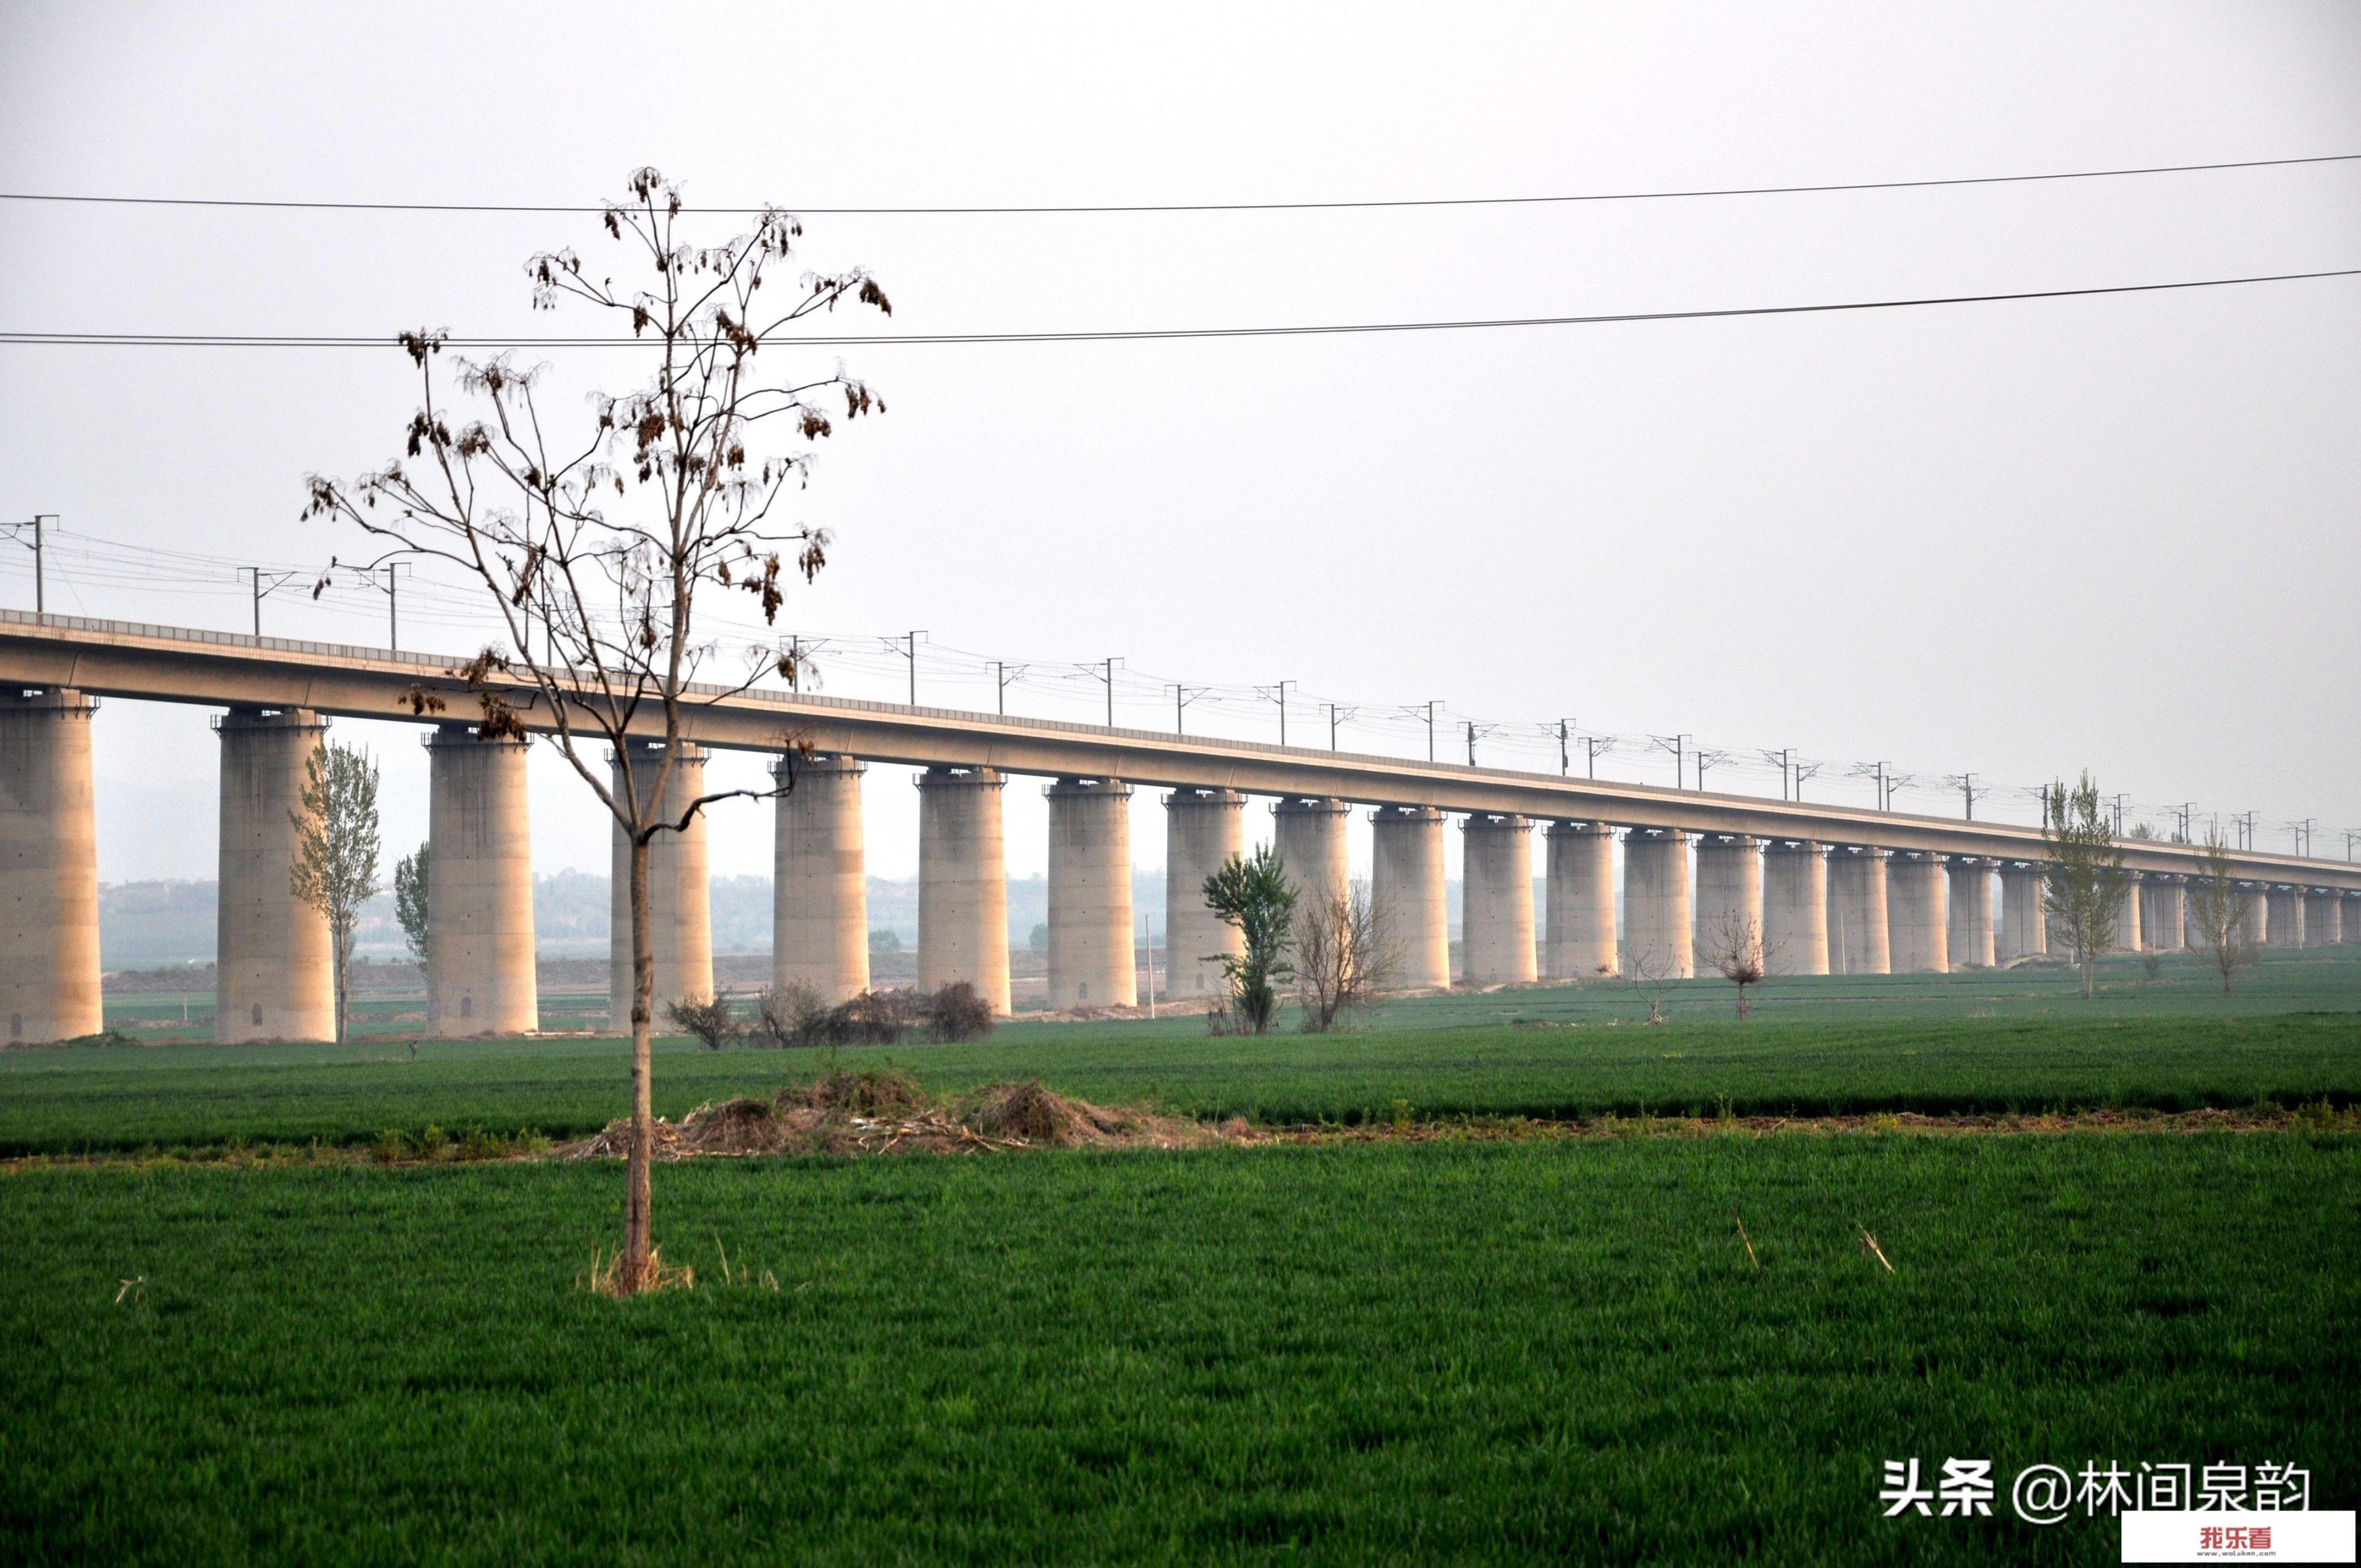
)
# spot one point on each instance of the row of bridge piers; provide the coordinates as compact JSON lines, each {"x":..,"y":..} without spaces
{"x":1809,"y":908}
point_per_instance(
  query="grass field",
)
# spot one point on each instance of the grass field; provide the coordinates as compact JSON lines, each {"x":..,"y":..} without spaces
{"x":95,"y":1099}
{"x":1405,"y":1353}
{"x":2302,"y":980}
{"x":1447,"y":1349}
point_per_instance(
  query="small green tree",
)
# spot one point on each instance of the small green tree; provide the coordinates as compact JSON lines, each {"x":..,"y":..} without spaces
{"x":336,"y":848}
{"x":2218,"y":909}
{"x":2083,"y":884}
{"x":1252,"y":893}
{"x":410,"y":908}
{"x":409,"y":902}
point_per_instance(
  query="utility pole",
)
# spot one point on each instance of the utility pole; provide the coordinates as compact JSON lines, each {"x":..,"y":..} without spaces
{"x":1677,"y":745}
{"x":1181,"y":698}
{"x":2351,"y":837}
{"x":1786,"y":758}
{"x":1804,"y":771}
{"x":392,"y":603}
{"x":2117,"y":803}
{"x":262,"y":590}
{"x":1431,"y":706}
{"x":40,"y":575}
{"x":1707,"y":759}
{"x":1472,"y":732}
{"x":1593,"y":745}
{"x":1966,"y":786}
{"x":909,"y":650}
{"x":1280,"y":693}
{"x":1564,"y":761}
{"x":1001,"y":678}
{"x":1109,"y":678}
{"x":1336,"y":714}
{"x":2183,"y":811}
{"x":2302,"y":832}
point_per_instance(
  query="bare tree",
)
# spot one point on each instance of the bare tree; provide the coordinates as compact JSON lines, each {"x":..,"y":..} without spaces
{"x":2084,"y":885}
{"x":1734,"y":948}
{"x":593,"y":550}
{"x":1342,"y":956}
{"x":2219,"y":909}
{"x":1648,"y":972}
{"x":336,"y":848}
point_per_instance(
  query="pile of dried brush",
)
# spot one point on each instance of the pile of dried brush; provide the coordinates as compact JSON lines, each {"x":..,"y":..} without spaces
{"x":887,"y":1112}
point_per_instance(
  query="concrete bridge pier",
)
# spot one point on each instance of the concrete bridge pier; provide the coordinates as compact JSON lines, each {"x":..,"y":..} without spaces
{"x":1090,"y":928}
{"x":819,"y":886}
{"x":2349,"y":921}
{"x":1656,"y":904}
{"x":1579,"y":942}
{"x":1795,"y":908}
{"x":2130,"y":932}
{"x":49,"y":868}
{"x":2023,"y":925}
{"x":1495,"y":910}
{"x":1968,"y":914}
{"x":2323,"y":918}
{"x":1917,"y":915}
{"x":2284,"y":925}
{"x":1406,"y":894}
{"x":1858,"y":935}
{"x":1309,"y":833}
{"x":478,"y":887}
{"x":2164,"y":922}
{"x":1202,"y":827}
{"x":963,"y":883}
{"x":2257,"y":926}
{"x":274,"y":965}
{"x":1729,"y":901}
{"x":680,"y":909}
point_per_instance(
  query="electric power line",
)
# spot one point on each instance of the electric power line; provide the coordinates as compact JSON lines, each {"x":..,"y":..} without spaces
{"x":1692,"y":193}
{"x":297,"y":340}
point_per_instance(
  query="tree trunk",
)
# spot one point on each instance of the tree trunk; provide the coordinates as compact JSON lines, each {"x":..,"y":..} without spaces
{"x":637,"y":1198}
{"x":342,"y":940}
{"x":2090,"y":973}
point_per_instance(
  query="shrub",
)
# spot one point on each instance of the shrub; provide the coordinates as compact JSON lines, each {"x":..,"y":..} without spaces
{"x":958,"y":1013}
{"x":708,"y":1018}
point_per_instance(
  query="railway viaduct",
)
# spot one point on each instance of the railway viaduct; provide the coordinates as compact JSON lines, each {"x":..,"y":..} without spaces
{"x":1834,"y":889}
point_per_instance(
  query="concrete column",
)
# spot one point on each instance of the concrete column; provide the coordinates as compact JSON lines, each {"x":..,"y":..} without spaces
{"x":49,"y":868}
{"x":680,"y":908}
{"x":1795,"y":908}
{"x":2258,"y":914}
{"x":820,"y":878}
{"x":1406,"y":894}
{"x":2349,"y":922}
{"x":963,"y":883}
{"x":1729,"y":901}
{"x":1309,"y":833}
{"x":1091,"y":928}
{"x":2323,"y":918}
{"x":1968,"y":916}
{"x":479,"y":935}
{"x":2163,"y":922}
{"x":1580,"y":939}
{"x":2023,"y":925}
{"x":1495,"y":905}
{"x":1656,"y":903}
{"x":1916,"y":916}
{"x":274,"y":965}
{"x":1202,"y":827}
{"x":2127,"y":936}
{"x":2284,"y":926}
{"x":1857,"y":940}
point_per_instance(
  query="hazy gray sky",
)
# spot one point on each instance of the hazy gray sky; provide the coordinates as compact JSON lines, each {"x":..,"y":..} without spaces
{"x":2021,"y":539}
